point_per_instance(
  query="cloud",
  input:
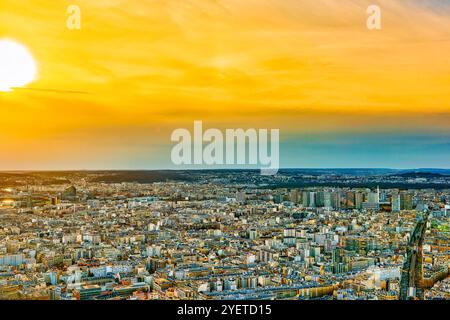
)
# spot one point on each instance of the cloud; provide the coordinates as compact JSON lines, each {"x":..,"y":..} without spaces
{"x":304,"y":66}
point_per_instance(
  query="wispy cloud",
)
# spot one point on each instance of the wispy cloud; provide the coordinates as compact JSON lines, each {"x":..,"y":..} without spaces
{"x":306,"y":66}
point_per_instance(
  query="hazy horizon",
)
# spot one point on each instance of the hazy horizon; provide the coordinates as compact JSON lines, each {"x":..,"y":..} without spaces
{"x":226,"y":169}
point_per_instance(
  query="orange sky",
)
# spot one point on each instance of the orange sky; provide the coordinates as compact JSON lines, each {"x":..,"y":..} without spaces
{"x":139,"y":69}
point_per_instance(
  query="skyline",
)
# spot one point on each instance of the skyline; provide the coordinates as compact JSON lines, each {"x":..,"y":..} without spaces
{"x":109,"y":95}
{"x":229,"y":236}
{"x":218,"y":168}
{"x":219,"y":158}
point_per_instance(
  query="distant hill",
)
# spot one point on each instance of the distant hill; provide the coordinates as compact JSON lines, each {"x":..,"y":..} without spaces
{"x":427,"y":170}
{"x":140,"y":176}
{"x":418,"y":174}
{"x":358,"y":177}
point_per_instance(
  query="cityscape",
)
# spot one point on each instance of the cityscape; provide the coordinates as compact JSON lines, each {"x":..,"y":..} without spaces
{"x":225,"y":235}
{"x":224,"y":158}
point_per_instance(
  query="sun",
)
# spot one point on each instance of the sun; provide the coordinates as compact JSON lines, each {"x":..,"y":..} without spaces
{"x":17,"y":66}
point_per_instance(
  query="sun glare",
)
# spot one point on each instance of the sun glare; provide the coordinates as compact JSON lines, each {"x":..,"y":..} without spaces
{"x":17,"y":66}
